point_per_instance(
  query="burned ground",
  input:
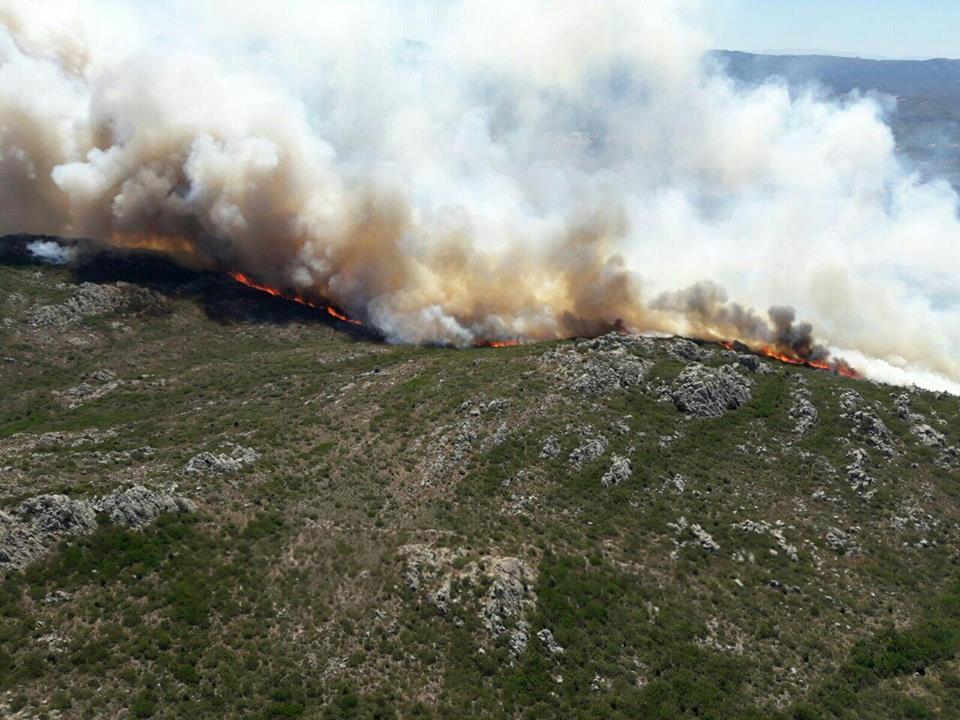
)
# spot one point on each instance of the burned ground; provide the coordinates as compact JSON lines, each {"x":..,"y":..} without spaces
{"x":621,"y":527}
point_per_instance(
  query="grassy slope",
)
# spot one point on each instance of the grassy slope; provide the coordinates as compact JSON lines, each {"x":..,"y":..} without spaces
{"x":284,"y":595}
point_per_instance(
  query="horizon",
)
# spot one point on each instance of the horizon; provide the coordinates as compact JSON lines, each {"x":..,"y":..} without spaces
{"x":870,"y":29}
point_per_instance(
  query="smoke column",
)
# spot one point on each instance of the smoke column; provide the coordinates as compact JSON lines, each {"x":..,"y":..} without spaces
{"x":457,"y":171}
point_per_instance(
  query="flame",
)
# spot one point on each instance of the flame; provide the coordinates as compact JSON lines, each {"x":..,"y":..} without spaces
{"x":299,"y":299}
{"x":837,"y":365}
{"x":499,"y":343}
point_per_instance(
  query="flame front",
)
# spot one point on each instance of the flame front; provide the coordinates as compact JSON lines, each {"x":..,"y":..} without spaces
{"x":837,"y":365}
{"x":292,"y":297}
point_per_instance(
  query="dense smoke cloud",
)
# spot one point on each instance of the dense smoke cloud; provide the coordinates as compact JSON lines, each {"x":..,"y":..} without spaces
{"x":459,"y":171}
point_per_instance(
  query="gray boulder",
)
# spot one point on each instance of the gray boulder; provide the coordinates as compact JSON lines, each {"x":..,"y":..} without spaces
{"x":206,"y":463}
{"x":709,"y":392}
{"x":620,"y":471}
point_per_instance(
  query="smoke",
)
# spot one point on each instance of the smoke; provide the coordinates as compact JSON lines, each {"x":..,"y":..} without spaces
{"x":454,"y":171}
{"x":52,"y":252}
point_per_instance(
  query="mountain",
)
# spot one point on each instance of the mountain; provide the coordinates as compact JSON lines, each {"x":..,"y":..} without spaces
{"x":218,"y":503}
{"x":926,"y":117}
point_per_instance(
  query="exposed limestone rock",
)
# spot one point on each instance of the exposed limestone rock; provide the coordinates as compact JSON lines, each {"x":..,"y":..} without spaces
{"x":925,"y":434}
{"x":682,"y":527}
{"x":591,"y":449}
{"x":89,"y":300}
{"x":549,"y":642}
{"x":841,"y":543}
{"x":709,"y":392}
{"x":58,"y":515}
{"x":675,"y":483}
{"x":598,"y":367}
{"x":872,"y":430}
{"x":509,"y":600}
{"x":38,"y":523}
{"x":206,"y":463}
{"x":857,"y":475}
{"x":802,"y":412}
{"x":620,"y":471}
{"x":686,"y":351}
{"x":139,"y":506}
{"x":551,"y":448}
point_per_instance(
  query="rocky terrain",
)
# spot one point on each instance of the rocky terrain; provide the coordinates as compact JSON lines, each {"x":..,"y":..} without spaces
{"x":215,"y":503}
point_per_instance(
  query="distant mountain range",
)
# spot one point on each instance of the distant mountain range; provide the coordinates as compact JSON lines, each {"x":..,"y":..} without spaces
{"x":927,"y":119}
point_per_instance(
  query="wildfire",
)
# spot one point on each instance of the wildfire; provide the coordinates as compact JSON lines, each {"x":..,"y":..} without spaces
{"x":499,"y":343}
{"x":838,"y":366}
{"x":299,"y":299}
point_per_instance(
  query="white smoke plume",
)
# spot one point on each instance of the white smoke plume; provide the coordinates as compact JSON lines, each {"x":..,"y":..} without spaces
{"x":455,"y":171}
{"x":52,"y":252}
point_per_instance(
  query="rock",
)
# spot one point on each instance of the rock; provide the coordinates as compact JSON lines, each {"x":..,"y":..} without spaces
{"x":590,"y":450}
{"x":509,"y":599}
{"x":89,"y":300}
{"x":597,"y":367}
{"x":857,"y":475}
{"x":206,"y":463}
{"x":139,"y":506}
{"x":675,"y":483}
{"x":750,"y":362}
{"x":58,"y":515}
{"x":57,"y":597}
{"x":620,"y":471}
{"x":551,"y":645}
{"x":704,"y":538}
{"x":841,"y":543}
{"x":38,"y":523}
{"x":802,"y":412}
{"x":686,"y":350}
{"x":551,"y":448}
{"x":709,"y":392}
{"x":872,"y":430}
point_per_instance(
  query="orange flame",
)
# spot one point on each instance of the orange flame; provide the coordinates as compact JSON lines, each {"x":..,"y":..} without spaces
{"x":500,"y":343}
{"x":299,"y":299}
{"x":837,"y":365}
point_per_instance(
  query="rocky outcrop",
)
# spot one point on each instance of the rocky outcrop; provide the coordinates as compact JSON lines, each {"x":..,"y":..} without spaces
{"x":550,"y":449}
{"x":589,"y":450}
{"x":869,"y":428}
{"x":90,"y":300}
{"x":841,"y":542}
{"x":505,"y":607}
{"x":510,"y":599}
{"x":602,"y":366}
{"x":919,"y":428}
{"x":34,"y":526}
{"x":620,"y":471}
{"x":140,"y":506}
{"x":802,"y":412}
{"x":206,"y":463}
{"x":686,"y":351}
{"x":709,"y":392}
{"x":860,"y":480}
{"x":549,"y":642}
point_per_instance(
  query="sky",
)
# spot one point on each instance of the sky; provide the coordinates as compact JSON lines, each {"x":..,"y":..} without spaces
{"x":868,"y":28}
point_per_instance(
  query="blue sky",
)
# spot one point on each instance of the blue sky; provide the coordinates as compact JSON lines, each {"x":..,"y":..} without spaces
{"x":871,"y":28}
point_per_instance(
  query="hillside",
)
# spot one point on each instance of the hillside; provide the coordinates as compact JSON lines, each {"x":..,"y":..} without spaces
{"x":220,"y":504}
